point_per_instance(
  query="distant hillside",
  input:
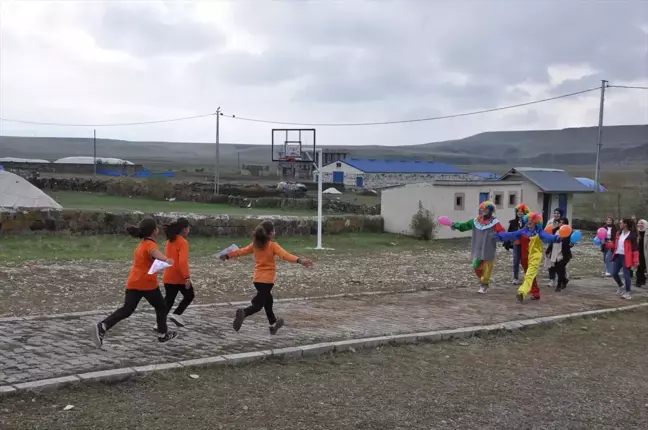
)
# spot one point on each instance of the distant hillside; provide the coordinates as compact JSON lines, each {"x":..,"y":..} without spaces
{"x":572,"y":146}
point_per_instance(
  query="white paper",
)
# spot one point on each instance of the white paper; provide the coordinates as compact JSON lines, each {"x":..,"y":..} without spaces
{"x":157,"y":266}
{"x":227,"y":250}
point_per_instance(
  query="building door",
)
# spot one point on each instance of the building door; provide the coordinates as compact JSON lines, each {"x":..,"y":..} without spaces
{"x":562,"y":202}
{"x":338,"y":177}
{"x":546,"y":207}
{"x":483,"y":197}
{"x":359,"y":181}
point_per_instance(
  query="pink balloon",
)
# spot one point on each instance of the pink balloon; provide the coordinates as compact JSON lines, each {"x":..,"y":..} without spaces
{"x":601,"y":233}
{"x":445,"y":221}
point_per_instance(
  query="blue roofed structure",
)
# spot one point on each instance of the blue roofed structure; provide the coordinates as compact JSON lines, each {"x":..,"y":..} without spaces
{"x":402,"y":166}
{"x":486,"y":175}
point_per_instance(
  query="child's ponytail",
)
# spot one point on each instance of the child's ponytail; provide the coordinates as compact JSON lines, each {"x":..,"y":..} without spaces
{"x":262,"y":234}
{"x":145,"y":229}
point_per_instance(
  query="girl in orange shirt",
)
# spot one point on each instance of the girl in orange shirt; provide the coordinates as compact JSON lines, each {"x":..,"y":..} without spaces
{"x":264,"y":249}
{"x":177,"y":278}
{"x":140,"y":285}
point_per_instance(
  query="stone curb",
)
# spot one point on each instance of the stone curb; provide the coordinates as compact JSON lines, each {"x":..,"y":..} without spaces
{"x":304,"y":351}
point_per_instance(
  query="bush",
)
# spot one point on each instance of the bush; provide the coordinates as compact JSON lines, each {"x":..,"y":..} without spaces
{"x":423,"y":223}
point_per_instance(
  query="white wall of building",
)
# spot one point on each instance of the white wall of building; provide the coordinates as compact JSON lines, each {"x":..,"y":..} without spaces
{"x":399,"y":204}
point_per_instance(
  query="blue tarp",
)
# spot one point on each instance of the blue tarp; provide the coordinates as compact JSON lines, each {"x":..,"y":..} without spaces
{"x":591,"y":184}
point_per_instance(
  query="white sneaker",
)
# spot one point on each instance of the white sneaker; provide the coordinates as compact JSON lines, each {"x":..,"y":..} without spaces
{"x":626,"y":296}
{"x":620,"y":291}
{"x":177,"y":320}
{"x":482,"y":289}
{"x":515,"y":282}
{"x":608,"y":275}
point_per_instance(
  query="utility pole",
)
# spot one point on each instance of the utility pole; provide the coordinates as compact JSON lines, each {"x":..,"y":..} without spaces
{"x":599,"y":143}
{"x":217,"y":166}
{"x":94,"y":151}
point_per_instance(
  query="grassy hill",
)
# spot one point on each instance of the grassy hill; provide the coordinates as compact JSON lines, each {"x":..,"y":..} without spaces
{"x":572,"y":146}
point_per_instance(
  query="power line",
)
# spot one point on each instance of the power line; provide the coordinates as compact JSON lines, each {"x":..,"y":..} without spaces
{"x":405,"y":121}
{"x":628,"y":87}
{"x":117,"y":124}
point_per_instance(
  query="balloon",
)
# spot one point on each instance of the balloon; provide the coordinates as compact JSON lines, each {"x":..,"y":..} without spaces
{"x":549,"y":228}
{"x":565,"y":231}
{"x":597,"y":241}
{"x":576,"y":236}
{"x":445,"y":221}
{"x":601,"y":233}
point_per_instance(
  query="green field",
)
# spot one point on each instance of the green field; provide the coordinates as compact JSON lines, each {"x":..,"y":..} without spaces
{"x":70,"y":247}
{"x":97,"y":201}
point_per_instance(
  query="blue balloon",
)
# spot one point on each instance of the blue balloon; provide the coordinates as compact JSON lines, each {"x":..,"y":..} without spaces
{"x":597,"y":241}
{"x":576,"y":236}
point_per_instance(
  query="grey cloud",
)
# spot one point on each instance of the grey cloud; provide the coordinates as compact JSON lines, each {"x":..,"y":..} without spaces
{"x":143,"y":31}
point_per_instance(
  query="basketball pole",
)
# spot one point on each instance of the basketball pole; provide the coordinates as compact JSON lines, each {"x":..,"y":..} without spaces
{"x":319,"y":199}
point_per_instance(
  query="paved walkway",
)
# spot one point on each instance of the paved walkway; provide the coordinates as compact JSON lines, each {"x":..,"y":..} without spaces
{"x":33,"y":349}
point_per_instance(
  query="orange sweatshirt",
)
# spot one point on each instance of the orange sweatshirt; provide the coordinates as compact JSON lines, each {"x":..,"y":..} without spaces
{"x":139,"y":279}
{"x":178,"y":251}
{"x":265,"y":269}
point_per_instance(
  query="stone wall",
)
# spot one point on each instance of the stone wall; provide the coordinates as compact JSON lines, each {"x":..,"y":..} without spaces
{"x":85,"y":169}
{"x":94,"y":223}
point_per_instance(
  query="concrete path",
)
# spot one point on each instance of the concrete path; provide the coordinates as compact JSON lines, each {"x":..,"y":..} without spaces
{"x":54,"y":346}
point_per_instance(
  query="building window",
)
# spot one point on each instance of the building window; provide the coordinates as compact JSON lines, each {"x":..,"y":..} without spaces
{"x":338,"y":164}
{"x":512,"y":199}
{"x":459,"y":200}
{"x":499,"y":197}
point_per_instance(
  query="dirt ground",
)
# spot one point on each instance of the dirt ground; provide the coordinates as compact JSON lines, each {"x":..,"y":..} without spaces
{"x":585,"y":374}
{"x":41,"y":286}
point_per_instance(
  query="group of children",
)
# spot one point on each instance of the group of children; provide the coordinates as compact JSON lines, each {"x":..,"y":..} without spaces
{"x":177,"y":279}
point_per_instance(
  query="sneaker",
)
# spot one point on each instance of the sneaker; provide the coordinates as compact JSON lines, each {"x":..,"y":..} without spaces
{"x":482,"y":289}
{"x":238,"y":320}
{"x":274,"y":328}
{"x":519,"y":297}
{"x":177,"y":320}
{"x":626,"y":296}
{"x":98,"y":333}
{"x":167,"y":336}
{"x":515,"y":281}
{"x":565,"y":284}
{"x":620,"y":291}
{"x":608,"y":275}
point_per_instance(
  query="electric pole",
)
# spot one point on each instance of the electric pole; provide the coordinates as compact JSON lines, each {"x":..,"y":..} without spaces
{"x":94,"y":150}
{"x":217,"y":166}
{"x":599,"y":143}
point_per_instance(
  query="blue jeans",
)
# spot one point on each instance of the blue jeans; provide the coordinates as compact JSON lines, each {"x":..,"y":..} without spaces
{"x":607,"y":260}
{"x":618,"y":265}
{"x":517,"y":260}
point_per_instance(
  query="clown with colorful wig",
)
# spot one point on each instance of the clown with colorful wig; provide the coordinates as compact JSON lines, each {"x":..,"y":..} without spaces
{"x":484,"y":241}
{"x":531,"y":238}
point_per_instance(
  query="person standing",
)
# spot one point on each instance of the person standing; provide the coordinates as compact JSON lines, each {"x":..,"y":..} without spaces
{"x":560,"y":256}
{"x":625,"y":257}
{"x":516,"y":224}
{"x":642,"y":243}
{"x":607,"y":246}
{"x":558,"y":214}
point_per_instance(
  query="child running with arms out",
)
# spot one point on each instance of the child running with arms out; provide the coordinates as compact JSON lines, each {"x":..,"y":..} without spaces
{"x":140,"y":285}
{"x":177,"y":278}
{"x":264,"y":249}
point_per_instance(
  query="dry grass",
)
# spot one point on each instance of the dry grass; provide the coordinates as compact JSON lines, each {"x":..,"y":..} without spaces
{"x":587,"y":374}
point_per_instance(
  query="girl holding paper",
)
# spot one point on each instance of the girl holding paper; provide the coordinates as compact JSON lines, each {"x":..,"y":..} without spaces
{"x":140,"y":285}
{"x":265,"y":272}
{"x":177,"y":278}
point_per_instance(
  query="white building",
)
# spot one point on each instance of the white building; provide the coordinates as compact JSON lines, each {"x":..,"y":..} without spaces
{"x":90,"y":160}
{"x":541,"y":189}
{"x":358,"y":173}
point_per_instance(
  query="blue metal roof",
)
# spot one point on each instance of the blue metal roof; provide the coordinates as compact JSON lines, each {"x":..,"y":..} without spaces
{"x":486,"y":175}
{"x":401,"y":166}
{"x":591,"y":184}
{"x":550,"y":180}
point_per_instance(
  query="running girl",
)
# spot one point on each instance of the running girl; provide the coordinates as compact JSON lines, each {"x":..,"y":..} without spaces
{"x":140,"y":285}
{"x":177,"y":278}
{"x":264,"y":249}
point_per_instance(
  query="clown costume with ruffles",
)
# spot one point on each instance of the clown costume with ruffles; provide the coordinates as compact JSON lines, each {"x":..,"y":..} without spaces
{"x":484,"y":242}
{"x":531,"y":238}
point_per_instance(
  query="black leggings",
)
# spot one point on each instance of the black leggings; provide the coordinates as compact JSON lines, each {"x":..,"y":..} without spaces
{"x":172,"y":291}
{"x":132,"y":299}
{"x":560,"y":269}
{"x":262,"y":300}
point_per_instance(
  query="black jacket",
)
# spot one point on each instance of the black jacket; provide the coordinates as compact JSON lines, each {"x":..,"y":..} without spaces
{"x":514,"y":225}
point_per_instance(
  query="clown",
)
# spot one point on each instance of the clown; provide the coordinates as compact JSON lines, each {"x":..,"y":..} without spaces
{"x":516,"y":224}
{"x":484,"y":242}
{"x":531,"y":238}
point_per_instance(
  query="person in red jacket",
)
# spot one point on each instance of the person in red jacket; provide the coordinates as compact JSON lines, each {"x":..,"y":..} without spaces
{"x":625,"y":257}
{"x":177,"y":278}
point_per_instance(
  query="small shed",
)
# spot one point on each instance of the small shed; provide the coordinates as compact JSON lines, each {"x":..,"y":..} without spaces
{"x":546,"y":189}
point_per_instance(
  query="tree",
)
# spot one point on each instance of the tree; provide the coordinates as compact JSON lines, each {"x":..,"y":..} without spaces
{"x":424,"y":224}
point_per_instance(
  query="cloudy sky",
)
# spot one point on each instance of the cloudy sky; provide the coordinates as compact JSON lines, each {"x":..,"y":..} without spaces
{"x":318,"y":62}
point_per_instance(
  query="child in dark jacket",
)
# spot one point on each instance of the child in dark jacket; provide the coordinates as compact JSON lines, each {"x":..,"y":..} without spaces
{"x":559,"y":255}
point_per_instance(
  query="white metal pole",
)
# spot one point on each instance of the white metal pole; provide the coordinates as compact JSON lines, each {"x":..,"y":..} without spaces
{"x":599,"y":144}
{"x":319,"y":199}
{"x":217,"y":161}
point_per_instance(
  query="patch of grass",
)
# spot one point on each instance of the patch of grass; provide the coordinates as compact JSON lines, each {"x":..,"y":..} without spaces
{"x":72,"y":247}
{"x":589,"y":374}
{"x":98,"y":201}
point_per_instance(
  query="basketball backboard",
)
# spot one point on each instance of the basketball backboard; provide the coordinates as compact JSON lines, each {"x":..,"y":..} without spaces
{"x":296,"y":145}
